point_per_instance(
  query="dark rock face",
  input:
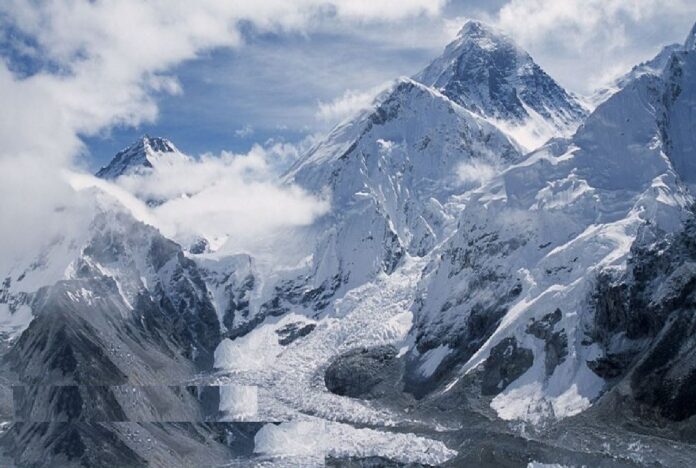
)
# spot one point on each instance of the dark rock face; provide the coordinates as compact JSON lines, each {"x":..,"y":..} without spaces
{"x":199,"y":246}
{"x":294,"y":331}
{"x":487,"y":73}
{"x":128,"y":444}
{"x":289,"y":293}
{"x":555,"y":343}
{"x":69,"y":444}
{"x":368,"y":462}
{"x":357,"y":372}
{"x":646,"y":323}
{"x":106,"y":354}
{"x":506,"y":363}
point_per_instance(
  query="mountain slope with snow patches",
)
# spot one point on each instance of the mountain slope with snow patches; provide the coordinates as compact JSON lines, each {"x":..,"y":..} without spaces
{"x":511,"y":293}
{"x":462,"y":302}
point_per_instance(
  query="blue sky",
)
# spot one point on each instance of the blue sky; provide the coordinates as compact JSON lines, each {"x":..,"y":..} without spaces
{"x":272,"y":81}
{"x":268,"y":89}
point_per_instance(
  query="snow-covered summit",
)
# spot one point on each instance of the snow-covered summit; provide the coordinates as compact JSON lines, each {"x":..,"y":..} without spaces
{"x":144,"y":154}
{"x":486,"y":72}
{"x":390,"y":172}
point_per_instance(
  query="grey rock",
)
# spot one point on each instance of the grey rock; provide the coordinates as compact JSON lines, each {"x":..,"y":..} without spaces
{"x":506,"y":363}
{"x":358,"y":372}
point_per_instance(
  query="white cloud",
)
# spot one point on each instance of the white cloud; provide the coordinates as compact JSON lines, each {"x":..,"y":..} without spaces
{"x":475,"y":173}
{"x":112,"y":56}
{"x":583,"y":42}
{"x":245,"y":131}
{"x":227,"y":198}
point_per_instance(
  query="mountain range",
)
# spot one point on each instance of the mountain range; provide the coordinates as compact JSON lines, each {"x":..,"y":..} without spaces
{"x":505,"y":277}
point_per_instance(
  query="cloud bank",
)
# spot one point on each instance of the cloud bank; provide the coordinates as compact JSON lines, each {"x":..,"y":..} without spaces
{"x":99,"y":64}
{"x":229,"y":198}
{"x":585,"y":43}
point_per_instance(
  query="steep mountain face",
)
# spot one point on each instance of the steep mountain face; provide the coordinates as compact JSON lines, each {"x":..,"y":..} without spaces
{"x":679,"y":102}
{"x":485,"y":72}
{"x":143,"y":155}
{"x":455,"y":279}
{"x":654,"y":66}
{"x":644,"y":321}
{"x":148,"y":273}
{"x":394,"y":172}
{"x":511,"y":298}
{"x":390,"y":174}
{"x":106,"y":357}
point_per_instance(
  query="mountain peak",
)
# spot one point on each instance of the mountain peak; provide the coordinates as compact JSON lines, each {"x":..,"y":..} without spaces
{"x":484,"y":71}
{"x":475,"y":30}
{"x":142,"y":153}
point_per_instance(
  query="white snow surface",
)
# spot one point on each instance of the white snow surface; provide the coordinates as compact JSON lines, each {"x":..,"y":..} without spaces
{"x":308,"y":442}
{"x":290,"y":386}
{"x":549,"y":225}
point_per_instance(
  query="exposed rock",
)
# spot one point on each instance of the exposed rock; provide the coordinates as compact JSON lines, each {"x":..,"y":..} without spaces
{"x":555,"y":343}
{"x":294,"y":331}
{"x":507,"y":362}
{"x":357,"y":372}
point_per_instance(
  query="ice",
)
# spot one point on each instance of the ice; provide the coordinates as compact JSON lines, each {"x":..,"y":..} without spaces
{"x":432,"y":359}
{"x":239,"y":402}
{"x":308,"y":442}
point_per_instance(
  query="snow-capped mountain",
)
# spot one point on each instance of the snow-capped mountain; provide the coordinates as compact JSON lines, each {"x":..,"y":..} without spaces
{"x":144,"y":154}
{"x":390,"y":173}
{"x":512,"y":297}
{"x":486,"y":72}
{"x":654,"y":66}
{"x":459,"y":294}
{"x":394,"y":172}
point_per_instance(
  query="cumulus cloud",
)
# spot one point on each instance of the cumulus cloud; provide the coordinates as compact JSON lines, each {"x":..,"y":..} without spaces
{"x":586,"y":42}
{"x":232,"y":199}
{"x":108,"y":60}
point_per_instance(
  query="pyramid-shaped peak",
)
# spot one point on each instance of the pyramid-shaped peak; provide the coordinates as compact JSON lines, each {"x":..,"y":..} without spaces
{"x":484,"y":71}
{"x":139,"y":155}
{"x":476,"y":29}
{"x":161,"y":145}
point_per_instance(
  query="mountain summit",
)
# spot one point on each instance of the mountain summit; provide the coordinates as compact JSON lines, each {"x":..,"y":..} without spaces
{"x":487,"y":73}
{"x":145,"y":153}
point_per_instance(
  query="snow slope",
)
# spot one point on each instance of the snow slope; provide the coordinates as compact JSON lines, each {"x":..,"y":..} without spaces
{"x":515,"y":281}
{"x":390,"y":173}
